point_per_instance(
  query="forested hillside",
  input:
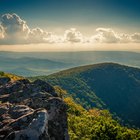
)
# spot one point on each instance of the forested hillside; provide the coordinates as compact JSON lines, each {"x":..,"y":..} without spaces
{"x":108,"y":85}
{"x":96,"y":124}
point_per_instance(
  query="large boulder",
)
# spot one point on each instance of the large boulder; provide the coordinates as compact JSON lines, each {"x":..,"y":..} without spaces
{"x":33,"y":125}
{"x":45,"y":87}
{"x":33,"y":111}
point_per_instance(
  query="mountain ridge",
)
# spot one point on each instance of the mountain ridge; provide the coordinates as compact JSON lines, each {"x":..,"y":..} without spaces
{"x":107,"y":85}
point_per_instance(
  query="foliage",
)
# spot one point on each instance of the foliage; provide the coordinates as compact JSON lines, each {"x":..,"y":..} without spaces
{"x":74,"y":108}
{"x":104,"y":86}
{"x":61,"y":93}
{"x":11,"y":76}
{"x":96,"y":124}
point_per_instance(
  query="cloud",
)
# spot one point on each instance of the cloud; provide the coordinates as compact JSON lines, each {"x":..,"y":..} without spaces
{"x":105,"y":35}
{"x":136,"y":37}
{"x":14,"y":30}
{"x":52,"y":38}
{"x":1,"y":32}
{"x":37,"y":35}
{"x":72,"y":35}
{"x":125,"y":38}
{"x":14,"y":27}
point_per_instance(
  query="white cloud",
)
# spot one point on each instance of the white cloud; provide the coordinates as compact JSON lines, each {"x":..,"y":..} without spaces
{"x":52,"y":38}
{"x":1,"y":32}
{"x":72,"y":35}
{"x":105,"y":35}
{"x":14,"y":30}
{"x":37,"y":35}
{"x":136,"y":37}
{"x":125,"y":38}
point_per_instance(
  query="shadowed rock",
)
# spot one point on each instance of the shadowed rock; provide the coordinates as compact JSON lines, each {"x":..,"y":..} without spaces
{"x":4,"y":80}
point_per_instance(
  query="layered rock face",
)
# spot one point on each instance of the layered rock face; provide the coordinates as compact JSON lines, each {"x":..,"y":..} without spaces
{"x":31,"y":111}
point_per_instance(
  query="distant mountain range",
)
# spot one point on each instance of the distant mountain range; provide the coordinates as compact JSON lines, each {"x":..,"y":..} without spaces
{"x":107,"y":85}
{"x":45,"y":63}
{"x":29,"y":66}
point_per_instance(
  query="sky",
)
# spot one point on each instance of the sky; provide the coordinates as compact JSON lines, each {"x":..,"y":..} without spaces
{"x":44,"y":25}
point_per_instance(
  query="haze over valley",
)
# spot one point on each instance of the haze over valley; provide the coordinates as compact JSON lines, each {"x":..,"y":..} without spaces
{"x":45,"y":63}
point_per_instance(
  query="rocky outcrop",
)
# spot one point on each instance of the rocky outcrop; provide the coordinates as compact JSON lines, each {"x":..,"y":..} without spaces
{"x":31,"y":111}
{"x":4,"y":80}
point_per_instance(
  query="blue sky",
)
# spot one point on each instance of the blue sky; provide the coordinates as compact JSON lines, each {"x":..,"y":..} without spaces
{"x":122,"y":14}
{"x":69,"y":21}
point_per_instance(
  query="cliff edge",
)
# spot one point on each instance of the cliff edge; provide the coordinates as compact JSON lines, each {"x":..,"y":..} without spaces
{"x":31,"y":111}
